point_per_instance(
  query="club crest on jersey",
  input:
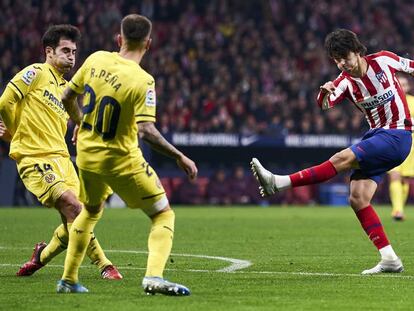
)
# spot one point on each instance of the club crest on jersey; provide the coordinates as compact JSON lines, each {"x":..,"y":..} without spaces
{"x":49,"y":178}
{"x":29,"y":76}
{"x":150,"y":98}
{"x":381,"y":77}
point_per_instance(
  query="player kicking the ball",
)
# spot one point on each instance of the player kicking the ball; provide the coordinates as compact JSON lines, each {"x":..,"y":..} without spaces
{"x":370,"y":83}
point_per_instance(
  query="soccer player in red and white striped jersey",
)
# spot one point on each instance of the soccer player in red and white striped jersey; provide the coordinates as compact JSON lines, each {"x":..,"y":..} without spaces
{"x":370,"y":83}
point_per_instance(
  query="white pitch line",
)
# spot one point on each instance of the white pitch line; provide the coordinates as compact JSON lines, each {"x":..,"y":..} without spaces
{"x":304,"y":274}
{"x":236,"y":264}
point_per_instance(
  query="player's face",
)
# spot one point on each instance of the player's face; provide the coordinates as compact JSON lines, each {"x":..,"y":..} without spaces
{"x":63,"y":56}
{"x":348,"y":64}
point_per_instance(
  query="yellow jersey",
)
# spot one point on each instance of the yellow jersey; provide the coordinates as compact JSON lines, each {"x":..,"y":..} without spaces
{"x":118,"y":93}
{"x":410,"y":102}
{"x":40,"y":119}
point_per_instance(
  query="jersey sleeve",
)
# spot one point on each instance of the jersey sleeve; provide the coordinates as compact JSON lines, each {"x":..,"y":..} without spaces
{"x":396,"y":62}
{"x":145,"y":106}
{"x":25,"y":80}
{"x":18,"y":87}
{"x":326,"y":101}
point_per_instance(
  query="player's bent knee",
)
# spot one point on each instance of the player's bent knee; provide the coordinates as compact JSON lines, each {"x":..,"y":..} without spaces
{"x":157,"y":207}
{"x":69,"y":205}
{"x":358,"y":201}
{"x":343,"y":160}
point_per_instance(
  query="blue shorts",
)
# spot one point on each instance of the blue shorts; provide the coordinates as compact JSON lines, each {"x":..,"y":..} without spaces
{"x":379,"y":151}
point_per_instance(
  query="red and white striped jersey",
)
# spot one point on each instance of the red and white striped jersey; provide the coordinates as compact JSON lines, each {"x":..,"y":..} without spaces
{"x":378,"y":94}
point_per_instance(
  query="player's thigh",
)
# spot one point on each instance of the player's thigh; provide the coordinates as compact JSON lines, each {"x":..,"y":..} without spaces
{"x":93,"y":189}
{"x":71,"y":177}
{"x":141,"y":190}
{"x":45,"y":177}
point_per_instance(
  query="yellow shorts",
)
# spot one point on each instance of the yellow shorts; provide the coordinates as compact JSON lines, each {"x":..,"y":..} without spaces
{"x":406,"y":169}
{"x":139,"y":190}
{"x":48,"y":177}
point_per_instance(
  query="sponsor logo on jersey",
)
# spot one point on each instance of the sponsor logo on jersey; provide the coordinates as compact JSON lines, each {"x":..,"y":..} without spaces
{"x":381,"y":77}
{"x":53,"y":99}
{"x":378,"y":100}
{"x":29,"y":76}
{"x":150,"y":97}
{"x":49,"y":178}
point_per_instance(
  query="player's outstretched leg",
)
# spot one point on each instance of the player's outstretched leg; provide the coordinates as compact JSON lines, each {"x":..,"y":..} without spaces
{"x":386,"y":265}
{"x":34,"y":263}
{"x":157,"y":285}
{"x":64,"y":287}
{"x":265,"y":178}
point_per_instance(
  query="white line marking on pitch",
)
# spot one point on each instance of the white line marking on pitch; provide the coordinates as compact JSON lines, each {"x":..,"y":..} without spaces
{"x":235,"y":267}
{"x":236,"y":264}
{"x":305,"y":274}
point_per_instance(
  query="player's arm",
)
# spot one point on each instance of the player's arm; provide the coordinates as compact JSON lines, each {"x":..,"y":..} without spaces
{"x":71,"y":105}
{"x":8,"y":101}
{"x":397,"y":63}
{"x":150,"y":134}
{"x":18,"y":87}
{"x":332,"y":93}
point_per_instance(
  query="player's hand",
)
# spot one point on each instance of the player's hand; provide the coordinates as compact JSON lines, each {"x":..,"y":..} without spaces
{"x":75,"y":134}
{"x":188,"y":166}
{"x":328,"y":88}
{"x":4,"y":132}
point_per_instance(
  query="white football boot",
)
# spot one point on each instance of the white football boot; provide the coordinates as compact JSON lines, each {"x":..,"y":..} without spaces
{"x":265,"y":178}
{"x":157,"y":285}
{"x":386,"y":266}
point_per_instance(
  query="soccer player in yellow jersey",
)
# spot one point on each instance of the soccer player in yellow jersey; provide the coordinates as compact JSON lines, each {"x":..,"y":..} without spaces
{"x":121,"y":104}
{"x":399,"y":186}
{"x":36,"y":120}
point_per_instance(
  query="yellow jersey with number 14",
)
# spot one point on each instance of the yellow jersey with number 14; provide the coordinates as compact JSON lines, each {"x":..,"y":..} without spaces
{"x":40,"y":119}
{"x":118,"y":93}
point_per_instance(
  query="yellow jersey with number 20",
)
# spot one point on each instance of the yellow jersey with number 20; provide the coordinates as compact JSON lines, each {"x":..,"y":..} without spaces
{"x":118,"y":93}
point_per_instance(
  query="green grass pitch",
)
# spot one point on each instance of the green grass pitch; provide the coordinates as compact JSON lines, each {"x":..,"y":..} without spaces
{"x":301,"y":259}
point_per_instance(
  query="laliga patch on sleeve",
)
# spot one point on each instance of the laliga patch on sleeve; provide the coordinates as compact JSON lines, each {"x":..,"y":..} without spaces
{"x":404,"y":63}
{"x":29,"y":76}
{"x":150,"y":100}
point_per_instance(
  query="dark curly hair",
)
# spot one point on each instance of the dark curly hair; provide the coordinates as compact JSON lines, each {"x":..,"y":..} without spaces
{"x":341,"y":42}
{"x":54,"y":33}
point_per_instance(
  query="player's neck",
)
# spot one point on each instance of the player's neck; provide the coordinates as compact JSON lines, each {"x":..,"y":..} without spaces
{"x":361,"y":69}
{"x":135,"y":56}
{"x":49,"y":62}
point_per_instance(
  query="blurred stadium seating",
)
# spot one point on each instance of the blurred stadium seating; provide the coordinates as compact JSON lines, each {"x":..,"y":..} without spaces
{"x":234,"y":67}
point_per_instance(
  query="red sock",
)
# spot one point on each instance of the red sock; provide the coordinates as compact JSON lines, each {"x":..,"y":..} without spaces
{"x":313,"y":175}
{"x":373,"y":227}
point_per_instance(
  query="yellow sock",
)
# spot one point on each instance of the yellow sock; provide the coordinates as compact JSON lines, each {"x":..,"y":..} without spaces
{"x":405,"y":192}
{"x":57,"y":244}
{"x":160,"y":243}
{"x":96,"y":254}
{"x":80,"y":235}
{"x":396,"y":196}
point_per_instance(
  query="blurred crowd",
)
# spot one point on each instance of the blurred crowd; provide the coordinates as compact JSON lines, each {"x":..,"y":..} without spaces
{"x":248,"y":67}
{"x":223,"y":66}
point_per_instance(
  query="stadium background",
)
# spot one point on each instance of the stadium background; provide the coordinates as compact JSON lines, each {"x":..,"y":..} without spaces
{"x":234,"y":79}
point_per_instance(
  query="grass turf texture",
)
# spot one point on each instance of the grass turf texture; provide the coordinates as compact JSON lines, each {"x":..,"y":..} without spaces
{"x":303,"y":259}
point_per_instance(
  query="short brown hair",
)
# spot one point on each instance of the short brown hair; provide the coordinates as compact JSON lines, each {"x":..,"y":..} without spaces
{"x":340,"y":42}
{"x":54,"y":33}
{"x":135,"y":28}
